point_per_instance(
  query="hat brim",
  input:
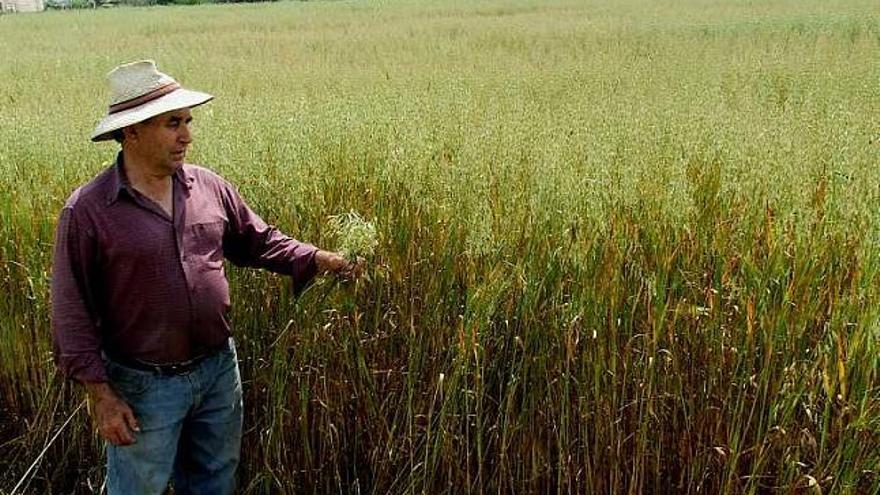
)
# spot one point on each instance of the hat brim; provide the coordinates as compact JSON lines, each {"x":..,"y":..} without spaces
{"x":181,"y":98}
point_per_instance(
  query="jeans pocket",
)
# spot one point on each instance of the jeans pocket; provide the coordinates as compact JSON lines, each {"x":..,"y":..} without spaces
{"x":128,"y":382}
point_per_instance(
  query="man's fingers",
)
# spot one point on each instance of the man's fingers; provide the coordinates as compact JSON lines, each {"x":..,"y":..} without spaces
{"x":127,"y":425}
{"x":359,"y":268}
{"x":122,"y":434}
{"x":123,"y":438}
{"x":106,"y":430}
{"x":127,"y":436}
{"x":112,"y":436}
{"x":354,"y":269}
{"x":130,"y":420}
{"x":119,"y":430}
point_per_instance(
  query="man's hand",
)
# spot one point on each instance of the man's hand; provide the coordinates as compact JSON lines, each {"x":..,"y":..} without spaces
{"x":113,"y":417}
{"x":339,"y":265}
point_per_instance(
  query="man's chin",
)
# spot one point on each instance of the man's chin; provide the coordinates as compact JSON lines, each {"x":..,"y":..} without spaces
{"x":172,"y":166}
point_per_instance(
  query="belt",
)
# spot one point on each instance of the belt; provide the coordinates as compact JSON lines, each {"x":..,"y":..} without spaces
{"x":167,"y":369}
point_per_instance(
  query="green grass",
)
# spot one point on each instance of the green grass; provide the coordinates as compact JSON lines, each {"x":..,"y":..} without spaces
{"x":625,"y":247}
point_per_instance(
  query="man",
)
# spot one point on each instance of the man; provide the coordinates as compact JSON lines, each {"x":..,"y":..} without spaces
{"x":140,"y":299}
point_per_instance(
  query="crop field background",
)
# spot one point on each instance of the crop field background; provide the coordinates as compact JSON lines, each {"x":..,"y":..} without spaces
{"x":624,"y":246}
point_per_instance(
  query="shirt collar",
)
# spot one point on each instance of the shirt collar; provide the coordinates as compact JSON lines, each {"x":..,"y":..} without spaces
{"x":119,"y":182}
{"x":184,"y":176}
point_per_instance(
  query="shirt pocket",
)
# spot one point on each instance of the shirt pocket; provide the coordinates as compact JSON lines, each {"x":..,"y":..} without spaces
{"x":206,"y":240}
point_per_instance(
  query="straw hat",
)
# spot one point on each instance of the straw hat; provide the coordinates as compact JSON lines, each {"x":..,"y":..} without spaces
{"x":139,"y":91}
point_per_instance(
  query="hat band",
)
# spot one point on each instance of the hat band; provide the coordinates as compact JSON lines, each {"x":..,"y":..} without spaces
{"x":144,"y":98}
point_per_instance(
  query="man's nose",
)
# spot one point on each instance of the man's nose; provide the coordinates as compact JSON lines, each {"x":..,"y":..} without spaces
{"x":185,"y":134}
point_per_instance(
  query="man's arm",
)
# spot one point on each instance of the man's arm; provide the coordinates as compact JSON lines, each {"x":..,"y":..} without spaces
{"x":77,"y":342}
{"x":250,"y":241}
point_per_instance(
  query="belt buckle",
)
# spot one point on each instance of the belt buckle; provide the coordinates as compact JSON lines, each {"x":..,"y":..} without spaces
{"x":168,"y":369}
{"x":178,"y":368}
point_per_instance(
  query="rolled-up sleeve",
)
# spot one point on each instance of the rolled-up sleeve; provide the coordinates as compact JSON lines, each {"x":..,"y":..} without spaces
{"x":76,"y":339}
{"x":250,"y":241}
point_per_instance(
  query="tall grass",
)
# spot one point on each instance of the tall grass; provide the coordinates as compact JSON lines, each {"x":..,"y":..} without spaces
{"x":625,"y":247}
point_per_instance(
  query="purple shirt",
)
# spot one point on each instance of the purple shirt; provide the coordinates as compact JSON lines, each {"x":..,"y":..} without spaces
{"x":129,"y":280}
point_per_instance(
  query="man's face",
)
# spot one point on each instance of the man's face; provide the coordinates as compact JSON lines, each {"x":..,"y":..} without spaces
{"x":162,"y":141}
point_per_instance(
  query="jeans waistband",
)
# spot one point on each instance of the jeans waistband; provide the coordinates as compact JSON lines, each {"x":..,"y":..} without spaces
{"x":167,"y":369}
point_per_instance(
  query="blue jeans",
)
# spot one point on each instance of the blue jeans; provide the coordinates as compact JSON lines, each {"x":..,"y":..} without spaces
{"x":190,"y":429}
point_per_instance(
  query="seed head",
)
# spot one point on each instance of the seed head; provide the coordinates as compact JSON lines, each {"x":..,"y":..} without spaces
{"x":354,"y":235}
